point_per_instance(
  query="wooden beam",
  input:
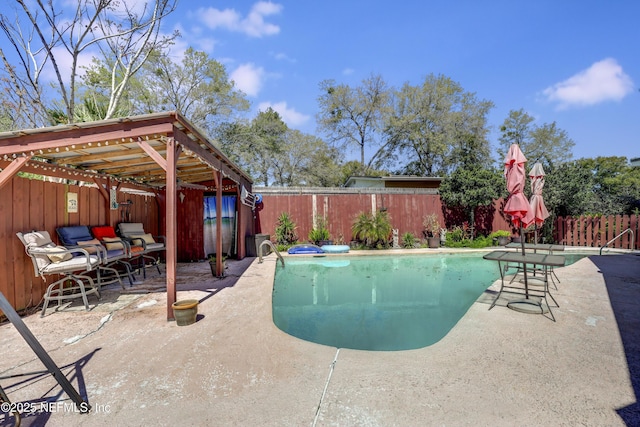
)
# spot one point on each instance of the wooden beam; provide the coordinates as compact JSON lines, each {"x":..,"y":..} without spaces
{"x":13,"y":168}
{"x":154,"y":154}
{"x":79,"y":137}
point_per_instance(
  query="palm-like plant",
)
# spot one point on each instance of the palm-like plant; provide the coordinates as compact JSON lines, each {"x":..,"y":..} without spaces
{"x":286,"y":230}
{"x":373,"y":230}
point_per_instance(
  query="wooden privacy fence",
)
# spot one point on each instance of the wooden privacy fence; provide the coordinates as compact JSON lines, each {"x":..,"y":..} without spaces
{"x":340,"y":206}
{"x":596,"y":231}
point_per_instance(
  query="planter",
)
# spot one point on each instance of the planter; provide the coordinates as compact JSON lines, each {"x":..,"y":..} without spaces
{"x":212,"y":265}
{"x":185,"y":311}
{"x":434,"y":242}
{"x":503,"y":240}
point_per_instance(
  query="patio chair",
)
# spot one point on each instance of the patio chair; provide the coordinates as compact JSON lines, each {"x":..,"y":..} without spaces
{"x":115,"y":245}
{"x":79,"y":236}
{"x":50,"y":259}
{"x":135,"y":234}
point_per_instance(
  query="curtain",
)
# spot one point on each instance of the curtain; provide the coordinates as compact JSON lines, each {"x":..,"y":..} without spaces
{"x":228,"y":225}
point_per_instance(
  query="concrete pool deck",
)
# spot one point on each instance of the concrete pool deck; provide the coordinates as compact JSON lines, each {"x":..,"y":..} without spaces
{"x":235,"y":367}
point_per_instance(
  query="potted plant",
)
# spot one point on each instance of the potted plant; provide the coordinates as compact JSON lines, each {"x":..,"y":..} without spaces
{"x":212,"y":263}
{"x":432,"y":230}
{"x":319,"y":234}
{"x":501,"y":236}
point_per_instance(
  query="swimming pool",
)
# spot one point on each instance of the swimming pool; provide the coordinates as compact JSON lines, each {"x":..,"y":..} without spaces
{"x":379,"y":302}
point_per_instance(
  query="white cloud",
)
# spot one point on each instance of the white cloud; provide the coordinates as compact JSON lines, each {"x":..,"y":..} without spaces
{"x":253,"y":24}
{"x":348,"y":71}
{"x":290,"y":116}
{"x":248,"y":78}
{"x":603,"y":81}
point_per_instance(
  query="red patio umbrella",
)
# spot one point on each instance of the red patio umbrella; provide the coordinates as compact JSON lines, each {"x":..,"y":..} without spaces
{"x":517,"y":205}
{"x":537,"y":209}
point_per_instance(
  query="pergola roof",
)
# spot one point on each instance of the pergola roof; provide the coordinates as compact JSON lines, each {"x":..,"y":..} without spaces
{"x":130,"y":150}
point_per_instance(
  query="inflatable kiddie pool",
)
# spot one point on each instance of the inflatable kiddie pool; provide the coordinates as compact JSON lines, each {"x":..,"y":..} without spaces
{"x":335,"y":249}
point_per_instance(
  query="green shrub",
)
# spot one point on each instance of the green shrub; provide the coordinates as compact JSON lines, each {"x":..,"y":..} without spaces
{"x":409,"y":240}
{"x":373,"y":230}
{"x":319,"y":231}
{"x":285,"y":230}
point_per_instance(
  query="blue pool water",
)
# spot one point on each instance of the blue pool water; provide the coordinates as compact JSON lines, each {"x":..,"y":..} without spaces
{"x":379,"y":302}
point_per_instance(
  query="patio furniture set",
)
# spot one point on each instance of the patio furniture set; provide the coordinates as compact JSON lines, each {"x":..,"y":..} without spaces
{"x":90,"y":257}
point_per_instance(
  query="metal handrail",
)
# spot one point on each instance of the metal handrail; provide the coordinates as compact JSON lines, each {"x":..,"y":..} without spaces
{"x":617,"y":237}
{"x":270,"y":244}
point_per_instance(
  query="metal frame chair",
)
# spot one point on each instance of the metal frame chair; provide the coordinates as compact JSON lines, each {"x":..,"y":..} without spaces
{"x":79,"y":236}
{"x":50,"y":259}
{"x":120,"y":249}
{"x":134,"y":233}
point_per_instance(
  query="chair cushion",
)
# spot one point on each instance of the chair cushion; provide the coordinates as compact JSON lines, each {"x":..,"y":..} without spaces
{"x":103,"y":231}
{"x":91,"y":250}
{"x":37,"y":238}
{"x":74,"y":264}
{"x":112,"y":243}
{"x":38,"y":241}
{"x":148,"y":238}
{"x":70,"y":236}
{"x":127,"y":229}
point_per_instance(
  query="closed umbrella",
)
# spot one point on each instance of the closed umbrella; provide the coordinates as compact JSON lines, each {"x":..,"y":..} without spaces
{"x":517,"y":205}
{"x":537,"y":209}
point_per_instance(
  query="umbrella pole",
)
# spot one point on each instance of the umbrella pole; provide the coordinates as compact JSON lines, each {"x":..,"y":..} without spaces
{"x":524,"y":265}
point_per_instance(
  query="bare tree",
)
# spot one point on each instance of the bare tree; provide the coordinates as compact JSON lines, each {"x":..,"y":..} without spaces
{"x":354,"y":116}
{"x":46,"y":40}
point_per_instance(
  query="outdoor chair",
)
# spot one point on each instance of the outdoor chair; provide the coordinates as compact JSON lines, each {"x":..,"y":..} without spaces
{"x":119,"y":249}
{"x":79,"y":236}
{"x":134,"y":233}
{"x":49,"y":259}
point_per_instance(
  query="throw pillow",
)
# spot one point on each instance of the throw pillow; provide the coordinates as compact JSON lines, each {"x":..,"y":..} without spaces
{"x":148,"y":238}
{"x":57,"y":257}
{"x":112,"y":243}
{"x":91,"y":245}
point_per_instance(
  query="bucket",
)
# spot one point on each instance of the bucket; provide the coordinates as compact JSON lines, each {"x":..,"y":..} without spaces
{"x":185,"y":311}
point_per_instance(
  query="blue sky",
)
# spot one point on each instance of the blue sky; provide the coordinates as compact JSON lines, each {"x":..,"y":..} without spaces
{"x":574,"y":62}
{"x":569,"y":61}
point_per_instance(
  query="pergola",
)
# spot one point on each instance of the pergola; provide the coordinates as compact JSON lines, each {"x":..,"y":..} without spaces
{"x":152,"y":152}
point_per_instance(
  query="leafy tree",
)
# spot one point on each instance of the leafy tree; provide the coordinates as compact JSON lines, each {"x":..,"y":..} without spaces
{"x":438,"y":126}
{"x":616,"y":185}
{"x":354,"y":116}
{"x":198,"y":87}
{"x":568,"y":190}
{"x":546,"y":143}
{"x":44,"y":39}
{"x":305,"y":160}
{"x":471,"y":187}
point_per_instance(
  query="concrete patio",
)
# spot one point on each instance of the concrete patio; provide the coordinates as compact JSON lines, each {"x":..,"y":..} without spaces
{"x":235,"y":367}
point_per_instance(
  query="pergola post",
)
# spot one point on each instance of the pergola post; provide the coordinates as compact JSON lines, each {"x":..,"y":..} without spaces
{"x":217,"y":177}
{"x":171,"y":216}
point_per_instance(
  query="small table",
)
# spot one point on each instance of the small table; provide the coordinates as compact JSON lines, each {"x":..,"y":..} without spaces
{"x":535,"y":247}
{"x":536,"y":260}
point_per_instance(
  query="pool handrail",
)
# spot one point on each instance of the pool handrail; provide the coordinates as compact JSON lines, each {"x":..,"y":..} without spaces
{"x":270,"y":244}
{"x":628,"y":230}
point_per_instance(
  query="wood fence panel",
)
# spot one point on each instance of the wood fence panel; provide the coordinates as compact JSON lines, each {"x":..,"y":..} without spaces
{"x":23,"y":275}
{"x":6,"y":219}
{"x":589,"y":229}
{"x":633,"y":224}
